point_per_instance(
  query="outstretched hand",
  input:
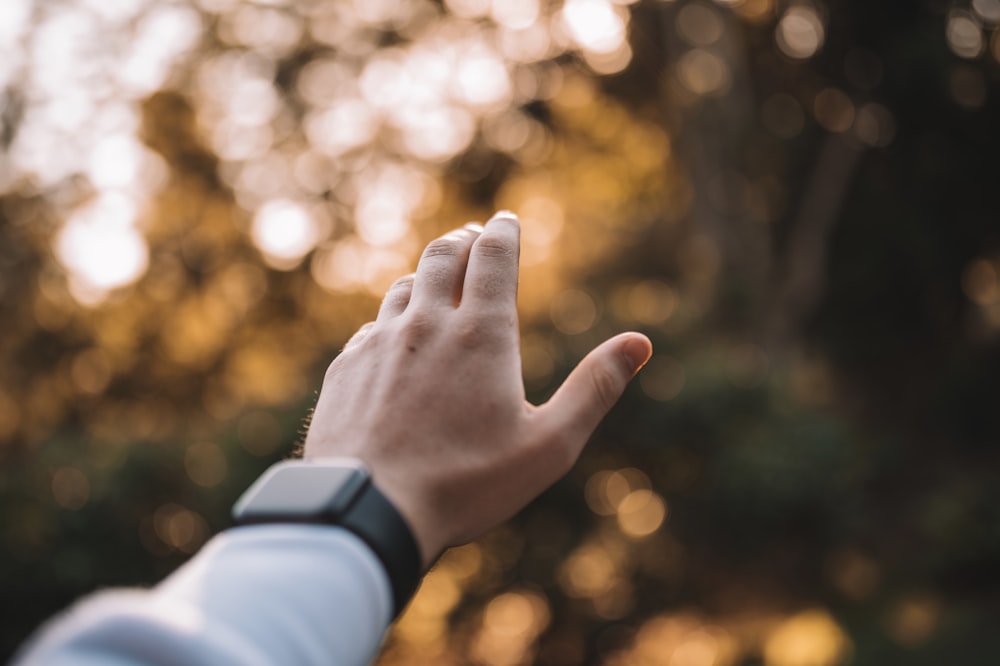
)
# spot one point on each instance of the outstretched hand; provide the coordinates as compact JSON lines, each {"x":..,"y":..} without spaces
{"x":430,"y":394}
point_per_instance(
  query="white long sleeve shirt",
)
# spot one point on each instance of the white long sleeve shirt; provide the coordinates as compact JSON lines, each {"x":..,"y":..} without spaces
{"x":269,"y":595}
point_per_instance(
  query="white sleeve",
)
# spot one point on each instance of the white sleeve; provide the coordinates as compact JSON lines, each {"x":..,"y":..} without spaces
{"x":269,"y":594}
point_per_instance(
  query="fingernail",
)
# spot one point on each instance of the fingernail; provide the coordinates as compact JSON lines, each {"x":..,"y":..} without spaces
{"x":504,"y":214}
{"x":474,"y":226}
{"x":637,"y":352}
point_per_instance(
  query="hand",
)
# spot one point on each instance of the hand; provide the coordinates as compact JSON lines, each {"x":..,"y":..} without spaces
{"x":430,"y":394}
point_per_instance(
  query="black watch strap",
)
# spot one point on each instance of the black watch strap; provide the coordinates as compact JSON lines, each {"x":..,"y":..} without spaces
{"x":378,"y":523}
{"x":340,"y":492}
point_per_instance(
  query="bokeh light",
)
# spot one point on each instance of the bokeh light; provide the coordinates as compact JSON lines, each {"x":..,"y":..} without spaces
{"x":205,"y":464}
{"x":987,"y":10}
{"x":699,"y":24}
{"x":965,"y":34}
{"x":968,"y":87}
{"x":834,"y":110}
{"x":680,"y":639}
{"x":594,"y":25}
{"x":855,"y":574}
{"x":589,"y":572}
{"x":874,"y":125}
{"x":285,"y":232}
{"x":800,"y":33}
{"x":511,"y":622}
{"x":200,"y":202}
{"x":810,"y":638}
{"x":607,"y":489}
{"x":640,"y":513}
{"x":573,"y":311}
{"x":703,"y":72}
{"x":663,"y":379}
{"x":101,"y":247}
{"x":179,"y":528}
{"x":782,"y":115}
{"x":70,"y":488}
{"x":913,"y":620}
{"x":981,"y":283}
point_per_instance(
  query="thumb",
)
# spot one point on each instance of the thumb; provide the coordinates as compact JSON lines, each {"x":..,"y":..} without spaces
{"x":595,"y":385}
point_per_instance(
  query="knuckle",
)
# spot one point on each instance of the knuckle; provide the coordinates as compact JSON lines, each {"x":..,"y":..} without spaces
{"x":491,"y":245}
{"x":441,"y":247}
{"x":369,"y":333}
{"x":501,"y":320}
{"x":403,"y":284}
{"x":484,"y":327}
{"x":471,"y":332}
{"x":364,"y":336}
{"x":468,"y":336}
{"x":418,"y":327}
{"x":395,"y":301}
{"x":398,"y":296}
{"x":606,"y":387}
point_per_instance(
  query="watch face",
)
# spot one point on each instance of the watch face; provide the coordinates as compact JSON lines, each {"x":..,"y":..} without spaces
{"x":302,"y":491}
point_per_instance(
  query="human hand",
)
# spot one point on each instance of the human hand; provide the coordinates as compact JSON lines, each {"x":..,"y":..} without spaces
{"x":430,"y":394}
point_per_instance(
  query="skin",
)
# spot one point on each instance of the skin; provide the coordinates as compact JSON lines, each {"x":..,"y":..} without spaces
{"x":430,"y":394}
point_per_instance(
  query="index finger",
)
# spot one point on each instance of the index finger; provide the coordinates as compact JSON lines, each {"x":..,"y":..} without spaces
{"x":491,"y":275}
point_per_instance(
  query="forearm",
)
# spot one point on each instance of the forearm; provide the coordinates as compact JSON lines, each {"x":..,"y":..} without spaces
{"x":280,"y":594}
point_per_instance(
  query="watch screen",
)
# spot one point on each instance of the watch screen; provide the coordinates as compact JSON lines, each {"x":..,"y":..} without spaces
{"x":303,"y":491}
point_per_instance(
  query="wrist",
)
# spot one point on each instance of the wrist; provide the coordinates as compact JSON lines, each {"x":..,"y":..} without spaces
{"x":410,"y":499}
{"x":340,"y":492}
{"x":430,"y":540}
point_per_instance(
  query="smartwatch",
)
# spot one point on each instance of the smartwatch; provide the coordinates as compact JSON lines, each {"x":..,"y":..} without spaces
{"x":337,"y":491}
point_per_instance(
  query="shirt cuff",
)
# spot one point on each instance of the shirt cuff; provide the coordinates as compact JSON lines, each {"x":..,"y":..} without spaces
{"x":263,"y":594}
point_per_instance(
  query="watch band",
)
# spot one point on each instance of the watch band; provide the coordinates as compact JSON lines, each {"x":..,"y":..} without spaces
{"x":340,"y":492}
{"x":378,"y":523}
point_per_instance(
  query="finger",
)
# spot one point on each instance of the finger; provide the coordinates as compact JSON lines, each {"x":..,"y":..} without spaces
{"x":595,"y":385}
{"x":396,"y":299}
{"x":491,"y":278}
{"x":359,"y":336}
{"x":441,"y":269}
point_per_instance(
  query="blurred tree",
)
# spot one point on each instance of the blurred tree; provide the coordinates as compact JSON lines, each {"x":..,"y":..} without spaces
{"x":794,"y":200}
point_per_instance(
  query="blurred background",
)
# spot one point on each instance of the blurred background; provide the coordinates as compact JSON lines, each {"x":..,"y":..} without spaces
{"x":200,"y":200}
